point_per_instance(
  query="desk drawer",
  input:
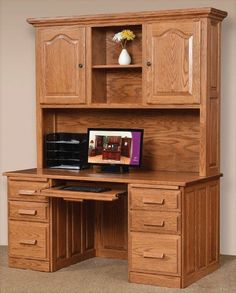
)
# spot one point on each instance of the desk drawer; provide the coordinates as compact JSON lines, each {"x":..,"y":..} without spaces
{"x":32,"y":211}
{"x":154,"y":199}
{"x":155,"y":253}
{"x":29,"y":240}
{"x":26,"y":190}
{"x":160,"y":222}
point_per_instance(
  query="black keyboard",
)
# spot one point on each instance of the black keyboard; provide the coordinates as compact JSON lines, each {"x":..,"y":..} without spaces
{"x":95,"y":189}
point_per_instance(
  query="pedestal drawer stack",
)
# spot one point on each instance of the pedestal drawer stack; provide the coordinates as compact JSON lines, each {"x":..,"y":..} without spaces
{"x":28,"y":224}
{"x":155,"y":235}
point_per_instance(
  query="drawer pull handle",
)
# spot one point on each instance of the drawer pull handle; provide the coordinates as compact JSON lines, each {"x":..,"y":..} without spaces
{"x":29,"y":242}
{"x":27,"y":192}
{"x":162,"y":224}
{"x":150,"y":201}
{"x":27,"y":212}
{"x":153,"y":255}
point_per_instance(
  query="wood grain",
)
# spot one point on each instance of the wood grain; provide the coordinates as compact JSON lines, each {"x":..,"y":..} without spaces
{"x":170,"y":137}
{"x":155,"y":199}
{"x":88,"y":222}
{"x":158,"y":222}
{"x":130,"y":17}
{"x":69,"y":232}
{"x":173,"y":227}
{"x":99,"y":88}
{"x":214,"y":59}
{"x":140,"y":177}
{"x":112,"y":229}
{"x":154,"y":279}
{"x":200,"y":230}
{"x":213,"y":143}
{"x":106,"y":51}
{"x":109,"y":195}
{"x":210,"y":100}
{"x":124,"y":86}
{"x":29,"y":240}
{"x":201,"y":226}
{"x":120,"y":106}
{"x":168,"y":246}
{"x":26,"y":190}
{"x":60,"y":52}
{"x":31,"y":211}
{"x":213,"y":223}
{"x":32,"y":264}
{"x":189,"y":232}
{"x":117,"y":86}
{"x":117,"y":66}
{"x":173,"y":51}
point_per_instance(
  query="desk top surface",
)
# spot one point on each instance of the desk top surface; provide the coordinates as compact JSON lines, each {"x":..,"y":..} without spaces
{"x":133,"y":177}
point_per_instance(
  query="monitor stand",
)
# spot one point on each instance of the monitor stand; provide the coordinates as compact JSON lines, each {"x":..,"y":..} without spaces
{"x":114,"y":169}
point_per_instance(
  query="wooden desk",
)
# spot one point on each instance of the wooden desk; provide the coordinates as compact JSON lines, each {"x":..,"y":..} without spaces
{"x":165,"y":218}
{"x":165,"y":223}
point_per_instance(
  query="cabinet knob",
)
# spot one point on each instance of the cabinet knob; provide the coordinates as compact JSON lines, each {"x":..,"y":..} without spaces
{"x":81,"y":65}
{"x":149,"y":63}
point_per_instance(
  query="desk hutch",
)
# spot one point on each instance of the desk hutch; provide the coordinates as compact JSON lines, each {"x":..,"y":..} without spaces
{"x":163,"y":218}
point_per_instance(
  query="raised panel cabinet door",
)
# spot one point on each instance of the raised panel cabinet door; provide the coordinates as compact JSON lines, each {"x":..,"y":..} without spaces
{"x":61,"y":65}
{"x":172,"y":62}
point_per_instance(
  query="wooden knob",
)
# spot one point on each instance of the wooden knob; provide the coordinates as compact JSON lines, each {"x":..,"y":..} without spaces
{"x":80,"y":65}
{"x":149,"y":63}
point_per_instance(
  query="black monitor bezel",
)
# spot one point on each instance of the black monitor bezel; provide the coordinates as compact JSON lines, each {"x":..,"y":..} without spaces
{"x":118,"y":129}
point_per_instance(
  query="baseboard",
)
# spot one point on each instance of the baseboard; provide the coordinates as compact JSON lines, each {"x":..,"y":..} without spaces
{"x":157,"y":280}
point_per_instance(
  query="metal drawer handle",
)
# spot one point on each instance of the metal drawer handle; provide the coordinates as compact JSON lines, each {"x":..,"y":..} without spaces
{"x":27,"y":192}
{"x":29,"y":242}
{"x":150,"y":201}
{"x":162,"y":224}
{"x":27,"y":212}
{"x":147,"y":254}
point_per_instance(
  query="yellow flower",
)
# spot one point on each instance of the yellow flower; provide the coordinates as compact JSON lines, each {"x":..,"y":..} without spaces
{"x":128,"y":35}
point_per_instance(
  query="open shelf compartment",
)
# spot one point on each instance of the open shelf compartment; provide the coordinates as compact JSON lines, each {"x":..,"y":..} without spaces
{"x":171,"y":139}
{"x":113,"y":83}
{"x":106,"y":52}
{"x":117,"y":86}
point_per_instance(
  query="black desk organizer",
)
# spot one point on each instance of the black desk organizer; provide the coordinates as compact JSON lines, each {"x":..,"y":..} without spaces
{"x":66,"y":150}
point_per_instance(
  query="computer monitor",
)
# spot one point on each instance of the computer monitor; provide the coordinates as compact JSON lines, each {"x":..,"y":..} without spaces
{"x":115,"y":147}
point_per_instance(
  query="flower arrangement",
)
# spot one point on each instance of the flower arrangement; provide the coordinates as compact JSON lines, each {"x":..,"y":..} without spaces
{"x":124,"y":36}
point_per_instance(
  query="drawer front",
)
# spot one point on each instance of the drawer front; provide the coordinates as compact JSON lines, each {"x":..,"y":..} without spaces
{"x":155,"y":253}
{"x":33,"y":211}
{"x":29,"y":240}
{"x":154,"y":199}
{"x":26,"y":190}
{"x":160,"y":222}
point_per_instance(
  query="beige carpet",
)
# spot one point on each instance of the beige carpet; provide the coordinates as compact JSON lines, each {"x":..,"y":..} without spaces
{"x":103,"y":275}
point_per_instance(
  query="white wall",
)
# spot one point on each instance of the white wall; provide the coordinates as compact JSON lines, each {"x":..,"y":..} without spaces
{"x":17,"y":89}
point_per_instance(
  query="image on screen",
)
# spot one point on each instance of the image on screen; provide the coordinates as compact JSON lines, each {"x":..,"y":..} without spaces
{"x":114,"y":147}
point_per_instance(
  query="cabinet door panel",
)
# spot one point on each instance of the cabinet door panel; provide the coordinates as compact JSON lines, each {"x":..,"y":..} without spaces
{"x":61,"y":65}
{"x":173,"y":63}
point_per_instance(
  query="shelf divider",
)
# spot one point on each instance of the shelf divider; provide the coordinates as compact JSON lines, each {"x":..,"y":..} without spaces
{"x":116,"y":66}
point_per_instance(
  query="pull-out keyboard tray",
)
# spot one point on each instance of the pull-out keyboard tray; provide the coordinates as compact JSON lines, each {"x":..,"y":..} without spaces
{"x":68,"y":195}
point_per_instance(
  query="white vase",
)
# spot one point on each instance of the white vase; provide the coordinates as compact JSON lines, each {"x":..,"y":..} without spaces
{"x":124,"y":58}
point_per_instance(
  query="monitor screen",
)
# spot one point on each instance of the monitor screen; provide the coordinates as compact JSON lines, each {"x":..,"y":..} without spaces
{"x":115,"y":146}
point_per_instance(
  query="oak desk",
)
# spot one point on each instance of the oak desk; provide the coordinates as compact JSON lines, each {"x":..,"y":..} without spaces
{"x":165,"y":218}
{"x":165,"y":223}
